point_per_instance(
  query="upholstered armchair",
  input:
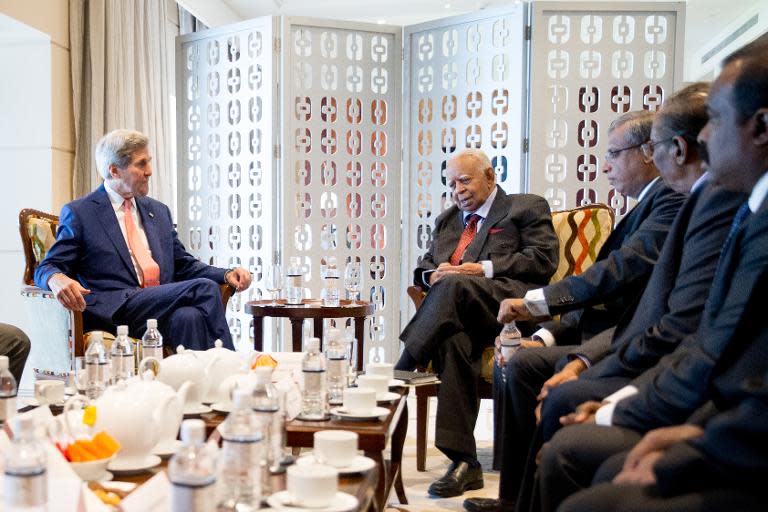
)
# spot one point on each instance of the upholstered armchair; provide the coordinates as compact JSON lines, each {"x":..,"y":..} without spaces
{"x":581,"y":232}
{"x":61,"y":330}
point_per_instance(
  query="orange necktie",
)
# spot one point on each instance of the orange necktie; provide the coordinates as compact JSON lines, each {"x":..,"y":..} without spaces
{"x":470,"y":230}
{"x":150,"y":271}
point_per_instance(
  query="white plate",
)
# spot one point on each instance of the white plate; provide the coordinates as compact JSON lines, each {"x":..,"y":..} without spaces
{"x":196,"y":409}
{"x":125,"y":467}
{"x":389,"y":396}
{"x":396,"y":383}
{"x":359,"y":464}
{"x":376,"y":413}
{"x":167,"y":449}
{"x":223,"y":407}
{"x":342,"y":502}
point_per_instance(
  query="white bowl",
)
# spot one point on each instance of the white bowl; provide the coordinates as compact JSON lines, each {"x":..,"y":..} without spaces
{"x":91,"y":470}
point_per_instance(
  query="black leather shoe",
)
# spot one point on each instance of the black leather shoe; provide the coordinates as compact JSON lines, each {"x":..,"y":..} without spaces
{"x":460,"y":477}
{"x":488,"y":505}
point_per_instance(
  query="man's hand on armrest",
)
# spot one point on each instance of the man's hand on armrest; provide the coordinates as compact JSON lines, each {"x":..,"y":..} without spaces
{"x":238,"y":278}
{"x":68,"y":292}
{"x":469,"y":269}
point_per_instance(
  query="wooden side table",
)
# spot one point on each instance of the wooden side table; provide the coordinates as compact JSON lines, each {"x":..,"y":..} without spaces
{"x":309,"y":309}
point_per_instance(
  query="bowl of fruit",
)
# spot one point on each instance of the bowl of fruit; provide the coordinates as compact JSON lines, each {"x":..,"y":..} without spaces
{"x":89,"y":457}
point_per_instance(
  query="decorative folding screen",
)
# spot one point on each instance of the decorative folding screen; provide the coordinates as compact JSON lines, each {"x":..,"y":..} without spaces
{"x":226,"y":93}
{"x":592,"y":62}
{"x":464,"y":88}
{"x":341,"y":151}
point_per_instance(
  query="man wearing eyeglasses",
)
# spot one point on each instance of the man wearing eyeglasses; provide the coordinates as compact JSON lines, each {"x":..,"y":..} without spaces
{"x":590,"y":304}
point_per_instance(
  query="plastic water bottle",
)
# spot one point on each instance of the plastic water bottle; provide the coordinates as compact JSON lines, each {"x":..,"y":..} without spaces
{"x":313,"y":401}
{"x":122,"y":356}
{"x":294,"y":285}
{"x":338,"y":366}
{"x":510,"y":338}
{"x":192,"y":471}
{"x":97,"y":365}
{"x":330,"y":275}
{"x":241,"y":457}
{"x":8,"y":391}
{"x":265,"y":402}
{"x":26,"y":465}
{"x":152,"y":341}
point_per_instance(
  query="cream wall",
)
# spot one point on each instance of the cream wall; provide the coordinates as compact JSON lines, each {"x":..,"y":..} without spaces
{"x":52,"y":17}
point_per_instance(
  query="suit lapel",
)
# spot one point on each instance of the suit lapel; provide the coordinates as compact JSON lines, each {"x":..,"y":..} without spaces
{"x":454,"y":226}
{"x":108,"y":220}
{"x":627,"y":224}
{"x":497,"y":213}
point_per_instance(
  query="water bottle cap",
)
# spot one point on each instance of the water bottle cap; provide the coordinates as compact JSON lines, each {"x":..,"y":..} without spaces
{"x":263,"y":374}
{"x":122,"y":330}
{"x":218,"y":343}
{"x":152,"y":323}
{"x":192,"y":431}
{"x":241,"y":398}
{"x":96,"y":336}
{"x":3,"y":363}
{"x":313,"y":344}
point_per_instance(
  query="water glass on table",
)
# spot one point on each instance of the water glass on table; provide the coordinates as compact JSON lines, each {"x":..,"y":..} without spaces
{"x":353,"y":280}
{"x":274,"y":282}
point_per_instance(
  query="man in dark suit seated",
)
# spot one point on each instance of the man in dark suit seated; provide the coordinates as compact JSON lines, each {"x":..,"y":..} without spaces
{"x":594,"y":300}
{"x":729,"y":344}
{"x":487,"y":246}
{"x":716,"y":461}
{"x":14,"y":344}
{"x":118,"y":259}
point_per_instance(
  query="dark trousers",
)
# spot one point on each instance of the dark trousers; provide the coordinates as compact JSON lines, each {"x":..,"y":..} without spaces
{"x":14,"y":344}
{"x":188,"y":313}
{"x":454,"y":324}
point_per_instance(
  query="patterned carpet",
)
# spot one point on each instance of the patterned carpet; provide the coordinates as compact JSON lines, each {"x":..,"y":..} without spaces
{"x":416,"y":483}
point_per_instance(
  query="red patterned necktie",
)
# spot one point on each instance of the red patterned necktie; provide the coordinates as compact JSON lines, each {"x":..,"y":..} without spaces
{"x":150,"y":271}
{"x":470,"y":230}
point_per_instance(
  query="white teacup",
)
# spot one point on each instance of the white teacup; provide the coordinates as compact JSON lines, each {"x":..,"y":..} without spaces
{"x":385,"y":369}
{"x":379,"y":383}
{"x":312,"y":486}
{"x":337,"y":448}
{"x":359,"y":401}
{"x":49,"y":392}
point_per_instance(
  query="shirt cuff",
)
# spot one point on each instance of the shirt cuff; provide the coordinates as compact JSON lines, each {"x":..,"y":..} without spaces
{"x":487,"y":268}
{"x":547,"y":337}
{"x":604,"y":415}
{"x":584,"y":359}
{"x":425,"y":277}
{"x":536,"y":303}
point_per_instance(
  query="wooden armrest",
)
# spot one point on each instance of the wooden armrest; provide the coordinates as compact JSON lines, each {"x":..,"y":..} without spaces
{"x":226,"y":293}
{"x":417,"y":295}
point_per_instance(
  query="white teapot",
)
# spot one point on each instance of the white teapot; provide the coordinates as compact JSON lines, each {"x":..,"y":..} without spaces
{"x":184,"y":366}
{"x":131,"y":417}
{"x":219,"y":364}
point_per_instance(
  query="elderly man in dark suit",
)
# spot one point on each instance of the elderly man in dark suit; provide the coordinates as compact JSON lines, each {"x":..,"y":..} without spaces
{"x":595,"y":300}
{"x":487,"y":246}
{"x":728,"y":345}
{"x":118,"y":259}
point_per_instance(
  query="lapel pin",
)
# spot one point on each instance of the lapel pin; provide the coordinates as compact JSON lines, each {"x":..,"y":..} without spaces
{"x":152,"y":215}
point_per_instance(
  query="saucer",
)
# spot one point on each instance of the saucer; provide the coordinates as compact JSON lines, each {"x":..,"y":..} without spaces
{"x":194,"y":410}
{"x":342,"y":502}
{"x":226,"y":408}
{"x":360,"y":464}
{"x":389,"y":396}
{"x":375,"y":414}
{"x":396,"y":383}
{"x":167,"y":449}
{"x":125,"y":468}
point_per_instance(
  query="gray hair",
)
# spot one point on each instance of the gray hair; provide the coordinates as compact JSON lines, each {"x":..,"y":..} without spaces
{"x":478,"y":155}
{"x":638,"y":123}
{"x":117,"y":148}
{"x":685,"y":112}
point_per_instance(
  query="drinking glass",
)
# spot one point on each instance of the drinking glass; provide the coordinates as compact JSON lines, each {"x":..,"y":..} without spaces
{"x":353,"y":277}
{"x":274,"y":282}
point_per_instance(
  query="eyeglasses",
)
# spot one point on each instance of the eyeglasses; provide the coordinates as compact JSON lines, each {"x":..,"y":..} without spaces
{"x":613,"y":154}
{"x":649,"y":146}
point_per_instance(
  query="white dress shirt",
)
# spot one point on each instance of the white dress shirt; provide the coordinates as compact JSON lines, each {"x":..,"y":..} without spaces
{"x":117,"y":204}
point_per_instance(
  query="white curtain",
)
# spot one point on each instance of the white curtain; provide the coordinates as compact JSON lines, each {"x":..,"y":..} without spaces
{"x":123,"y":77}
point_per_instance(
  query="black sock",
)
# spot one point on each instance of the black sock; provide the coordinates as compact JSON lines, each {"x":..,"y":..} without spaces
{"x":406,"y":362}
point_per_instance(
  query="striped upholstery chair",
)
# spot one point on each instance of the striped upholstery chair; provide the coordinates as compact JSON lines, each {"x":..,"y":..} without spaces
{"x":581,"y":232}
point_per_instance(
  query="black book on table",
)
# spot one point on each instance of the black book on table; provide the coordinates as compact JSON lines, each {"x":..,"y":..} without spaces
{"x":415,"y":377}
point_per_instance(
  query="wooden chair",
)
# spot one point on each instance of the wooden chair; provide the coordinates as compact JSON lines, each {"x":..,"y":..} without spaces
{"x":581,"y":232}
{"x":38,"y":232}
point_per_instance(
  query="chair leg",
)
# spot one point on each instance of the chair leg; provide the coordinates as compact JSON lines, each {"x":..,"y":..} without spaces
{"x":422,"y":417}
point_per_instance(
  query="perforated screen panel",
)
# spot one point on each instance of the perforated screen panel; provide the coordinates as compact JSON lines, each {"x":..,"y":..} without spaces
{"x":225,"y":101}
{"x":592,"y":62}
{"x":341,"y":150}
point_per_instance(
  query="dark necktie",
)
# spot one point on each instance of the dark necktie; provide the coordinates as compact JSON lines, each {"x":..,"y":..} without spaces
{"x":470,"y":230}
{"x":741,"y":215}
